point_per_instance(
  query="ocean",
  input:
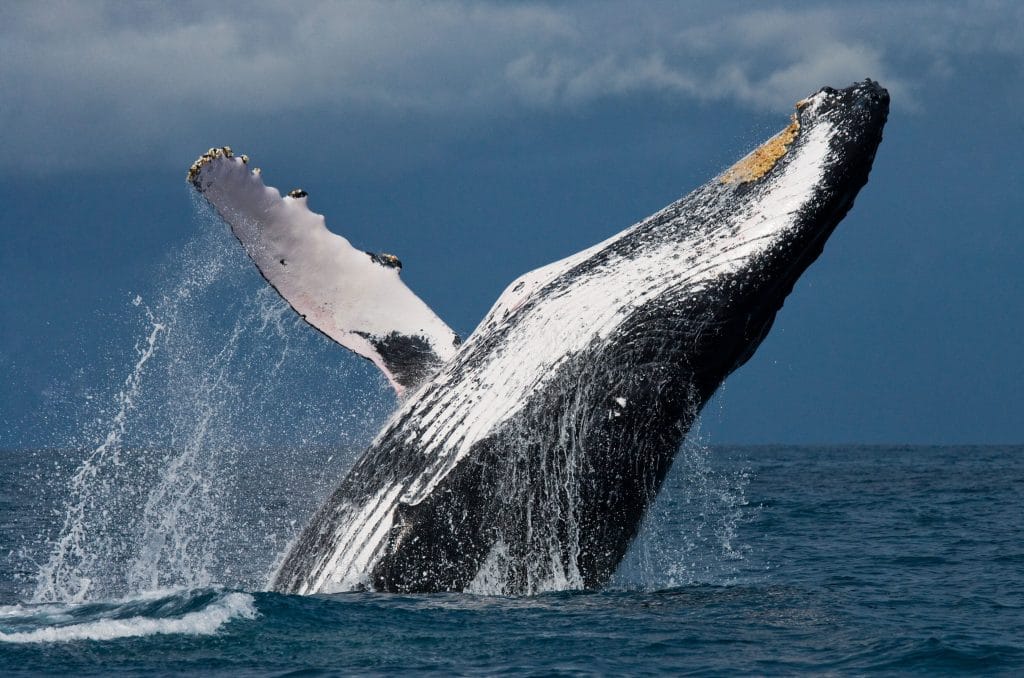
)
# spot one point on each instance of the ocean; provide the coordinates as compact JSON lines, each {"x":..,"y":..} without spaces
{"x":754,"y":560}
{"x":198,"y":440}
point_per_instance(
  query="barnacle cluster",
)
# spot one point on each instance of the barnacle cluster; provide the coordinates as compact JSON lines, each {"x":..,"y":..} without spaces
{"x":205,"y":159}
{"x":386,"y":260}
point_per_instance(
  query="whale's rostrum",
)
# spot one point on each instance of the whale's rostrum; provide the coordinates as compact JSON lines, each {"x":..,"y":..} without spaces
{"x":523,"y":459}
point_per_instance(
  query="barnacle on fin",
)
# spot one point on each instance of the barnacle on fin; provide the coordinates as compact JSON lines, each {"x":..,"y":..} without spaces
{"x":385,"y":259}
{"x":204,"y":160}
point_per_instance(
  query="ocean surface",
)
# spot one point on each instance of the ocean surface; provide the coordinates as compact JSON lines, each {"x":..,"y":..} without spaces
{"x":186,"y":460}
{"x":754,"y":560}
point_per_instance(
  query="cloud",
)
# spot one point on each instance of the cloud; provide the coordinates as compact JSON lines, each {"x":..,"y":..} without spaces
{"x":81,"y":81}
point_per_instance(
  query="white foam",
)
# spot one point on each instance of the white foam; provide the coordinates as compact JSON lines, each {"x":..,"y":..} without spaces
{"x":199,"y":623}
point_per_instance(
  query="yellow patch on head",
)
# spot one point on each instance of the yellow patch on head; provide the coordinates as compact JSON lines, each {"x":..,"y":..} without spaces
{"x":757,"y":163}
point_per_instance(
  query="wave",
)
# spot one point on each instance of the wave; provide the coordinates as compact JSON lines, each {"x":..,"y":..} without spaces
{"x":197,"y":612}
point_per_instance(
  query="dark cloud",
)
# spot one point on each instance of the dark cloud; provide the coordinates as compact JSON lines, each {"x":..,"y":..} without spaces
{"x":83,"y":81}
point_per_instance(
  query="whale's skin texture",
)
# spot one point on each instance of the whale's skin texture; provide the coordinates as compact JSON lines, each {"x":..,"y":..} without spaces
{"x":527,"y":462}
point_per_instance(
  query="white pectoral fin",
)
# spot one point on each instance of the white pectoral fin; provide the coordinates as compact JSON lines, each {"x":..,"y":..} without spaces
{"x":356,"y":298}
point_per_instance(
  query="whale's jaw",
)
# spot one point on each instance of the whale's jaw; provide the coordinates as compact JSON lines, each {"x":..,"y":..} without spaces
{"x":528,"y":461}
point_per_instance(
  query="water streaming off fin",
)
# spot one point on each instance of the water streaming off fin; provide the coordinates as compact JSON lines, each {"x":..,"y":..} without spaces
{"x":230,"y":422}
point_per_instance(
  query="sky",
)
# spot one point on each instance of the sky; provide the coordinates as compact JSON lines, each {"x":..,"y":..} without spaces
{"x":480,"y":140}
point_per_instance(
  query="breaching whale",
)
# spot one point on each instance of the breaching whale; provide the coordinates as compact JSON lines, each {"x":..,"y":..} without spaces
{"x":524,"y":458}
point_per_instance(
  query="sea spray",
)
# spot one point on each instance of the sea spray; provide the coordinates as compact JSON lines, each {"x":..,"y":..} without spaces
{"x":234,"y":421}
{"x":66,"y":574}
{"x":691,"y":536}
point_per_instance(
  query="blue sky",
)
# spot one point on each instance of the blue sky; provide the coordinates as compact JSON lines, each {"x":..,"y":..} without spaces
{"x":480,"y":140}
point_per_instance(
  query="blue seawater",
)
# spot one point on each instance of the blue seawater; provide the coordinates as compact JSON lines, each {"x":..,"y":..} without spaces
{"x":755,"y":560}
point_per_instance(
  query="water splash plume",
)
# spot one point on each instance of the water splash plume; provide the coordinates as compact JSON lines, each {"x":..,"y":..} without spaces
{"x":219,"y":443}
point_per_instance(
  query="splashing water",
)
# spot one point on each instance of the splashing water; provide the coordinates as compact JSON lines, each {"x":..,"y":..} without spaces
{"x":223,"y":439}
{"x":690,"y":536}
{"x":64,"y":576}
{"x":217,"y":447}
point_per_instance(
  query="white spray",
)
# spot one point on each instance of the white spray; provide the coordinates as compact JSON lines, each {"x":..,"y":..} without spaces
{"x":217,"y":448}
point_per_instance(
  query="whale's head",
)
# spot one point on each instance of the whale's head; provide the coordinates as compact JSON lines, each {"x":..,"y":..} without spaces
{"x":697,"y":285}
{"x":849,"y":120}
{"x":752,"y":231}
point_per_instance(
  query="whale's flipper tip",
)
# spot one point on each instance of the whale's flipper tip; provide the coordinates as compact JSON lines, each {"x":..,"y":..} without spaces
{"x":211,"y":156}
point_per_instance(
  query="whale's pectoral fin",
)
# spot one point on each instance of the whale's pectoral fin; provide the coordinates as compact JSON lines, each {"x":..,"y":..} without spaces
{"x":354,"y":297}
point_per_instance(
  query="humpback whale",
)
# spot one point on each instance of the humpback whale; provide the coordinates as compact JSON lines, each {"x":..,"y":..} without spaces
{"x":523,"y":459}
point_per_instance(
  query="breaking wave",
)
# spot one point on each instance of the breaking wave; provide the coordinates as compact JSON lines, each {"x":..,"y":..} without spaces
{"x":190,"y":613}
